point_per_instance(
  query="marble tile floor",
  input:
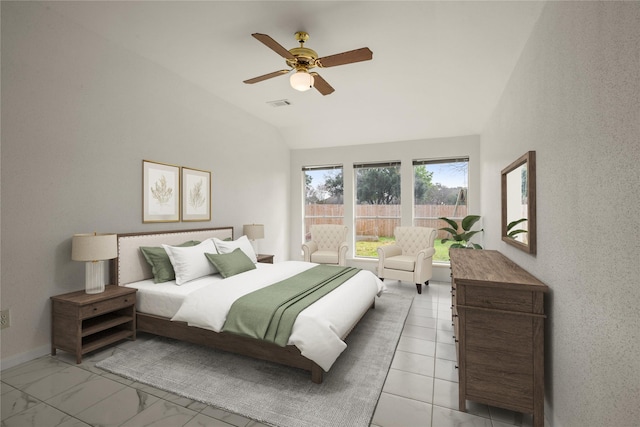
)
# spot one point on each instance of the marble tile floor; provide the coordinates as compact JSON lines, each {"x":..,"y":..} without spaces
{"x":420,"y":389}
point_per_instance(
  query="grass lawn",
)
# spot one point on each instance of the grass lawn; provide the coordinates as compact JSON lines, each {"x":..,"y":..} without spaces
{"x":369,"y":249}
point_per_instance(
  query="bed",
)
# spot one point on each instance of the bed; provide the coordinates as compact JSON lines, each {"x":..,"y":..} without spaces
{"x":159,"y":303}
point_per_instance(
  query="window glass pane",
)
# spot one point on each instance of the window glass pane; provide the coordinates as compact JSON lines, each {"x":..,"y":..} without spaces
{"x":440,"y":189}
{"x":323,"y":201}
{"x":377,"y":206}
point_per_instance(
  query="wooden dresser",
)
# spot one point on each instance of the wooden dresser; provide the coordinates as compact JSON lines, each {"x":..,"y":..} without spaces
{"x":498,"y":317}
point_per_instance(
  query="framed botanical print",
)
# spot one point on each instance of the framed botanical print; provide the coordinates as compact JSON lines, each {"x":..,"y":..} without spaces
{"x":160,"y":192}
{"x":196,"y":195}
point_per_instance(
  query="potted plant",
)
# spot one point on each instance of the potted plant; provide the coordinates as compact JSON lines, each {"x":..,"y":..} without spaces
{"x":462,"y":240}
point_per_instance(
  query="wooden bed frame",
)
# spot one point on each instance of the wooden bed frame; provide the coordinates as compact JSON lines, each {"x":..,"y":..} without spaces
{"x":130,"y":266}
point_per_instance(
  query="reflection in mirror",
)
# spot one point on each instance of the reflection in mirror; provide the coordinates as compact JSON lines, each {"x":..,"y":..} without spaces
{"x":519,"y":203}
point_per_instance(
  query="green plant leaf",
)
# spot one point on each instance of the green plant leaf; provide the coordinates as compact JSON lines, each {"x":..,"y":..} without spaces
{"x":516,"y":232}
{"x":514,"y":223}
{"x":451,"y":222}
{"x":450,"y":230}
{"x":469,"y":234}
{"x":457,"y":245}
{"x":476,"y":246}
{"x":468,"y":221}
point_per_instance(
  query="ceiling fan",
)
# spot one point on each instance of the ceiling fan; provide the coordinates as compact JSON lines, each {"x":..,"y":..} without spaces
{"x":302,"y":59}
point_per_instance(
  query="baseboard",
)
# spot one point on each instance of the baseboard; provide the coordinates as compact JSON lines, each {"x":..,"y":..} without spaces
{"x":16,"y":360}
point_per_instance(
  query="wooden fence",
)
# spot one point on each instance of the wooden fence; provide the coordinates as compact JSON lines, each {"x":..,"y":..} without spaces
{"x":374,"y":221}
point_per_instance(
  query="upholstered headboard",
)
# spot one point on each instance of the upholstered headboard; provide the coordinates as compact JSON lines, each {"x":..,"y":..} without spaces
{"x":130,"y":266}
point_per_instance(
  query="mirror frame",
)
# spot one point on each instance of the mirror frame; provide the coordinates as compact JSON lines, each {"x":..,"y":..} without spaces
{"x":529,"y":158}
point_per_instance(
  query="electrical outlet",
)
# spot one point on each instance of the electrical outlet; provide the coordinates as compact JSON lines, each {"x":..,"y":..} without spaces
{"x":5,"y":318}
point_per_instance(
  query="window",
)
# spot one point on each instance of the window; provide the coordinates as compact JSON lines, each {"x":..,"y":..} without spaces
{"x":440,"y":189}
{"x":377,"y":210}
{"x":323,"y":201}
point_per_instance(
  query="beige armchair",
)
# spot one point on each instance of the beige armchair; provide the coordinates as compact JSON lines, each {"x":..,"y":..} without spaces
{"x":328,"y":244}
{"x":410,"y":258}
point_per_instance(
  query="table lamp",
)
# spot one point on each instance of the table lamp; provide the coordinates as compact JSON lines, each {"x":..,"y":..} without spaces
{"x":94,"y":249}
{"x":253,"y":232}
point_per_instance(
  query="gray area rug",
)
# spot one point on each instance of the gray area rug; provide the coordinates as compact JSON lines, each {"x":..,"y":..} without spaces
{"x":271,"y":393}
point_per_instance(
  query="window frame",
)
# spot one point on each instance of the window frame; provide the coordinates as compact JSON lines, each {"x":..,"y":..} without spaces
{"x":398,"y":219}
{"x":465,"y":194}
{"x":306,"y":233}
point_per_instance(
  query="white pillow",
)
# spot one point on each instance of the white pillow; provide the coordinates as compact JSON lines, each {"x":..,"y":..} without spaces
{"x":226,"y":247}
{"x":190,"y":263}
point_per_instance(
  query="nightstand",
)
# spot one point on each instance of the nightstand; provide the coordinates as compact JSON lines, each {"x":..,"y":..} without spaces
{"x":267,"y":259}
{"x":82,"y":322}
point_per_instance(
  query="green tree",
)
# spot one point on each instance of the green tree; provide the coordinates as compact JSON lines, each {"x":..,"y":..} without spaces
{"x":378,"y":186}
{"x":438,"y":194}
{"x":422,"y":179}
{"x":309,"y":191}
{"x":334,"y":184}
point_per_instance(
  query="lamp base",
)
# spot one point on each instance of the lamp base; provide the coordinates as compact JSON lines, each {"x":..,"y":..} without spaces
{"x":254,"y":244}
{"x":94,"y":277}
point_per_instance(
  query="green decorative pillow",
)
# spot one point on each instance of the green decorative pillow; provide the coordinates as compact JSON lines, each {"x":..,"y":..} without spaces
{"x":160,"y":263}
{"x":230,"y":264}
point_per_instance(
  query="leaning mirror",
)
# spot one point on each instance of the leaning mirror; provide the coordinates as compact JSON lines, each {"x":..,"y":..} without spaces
{"x":519,"y":203}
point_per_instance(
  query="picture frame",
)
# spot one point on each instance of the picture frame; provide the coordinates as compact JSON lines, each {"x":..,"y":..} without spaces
{"x":196,"y":195}
{"x":160,"y":192}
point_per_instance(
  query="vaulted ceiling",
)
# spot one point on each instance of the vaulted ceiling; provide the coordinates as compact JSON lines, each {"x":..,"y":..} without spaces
{"x":438,"y":68}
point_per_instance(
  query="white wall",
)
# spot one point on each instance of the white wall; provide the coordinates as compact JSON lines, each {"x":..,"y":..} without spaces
{"x":574,"y":98}
{"x":404,"y":151}
{"x":79,"y":115}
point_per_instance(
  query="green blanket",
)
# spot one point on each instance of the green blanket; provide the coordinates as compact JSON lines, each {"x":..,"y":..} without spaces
{"x":269,"y":313}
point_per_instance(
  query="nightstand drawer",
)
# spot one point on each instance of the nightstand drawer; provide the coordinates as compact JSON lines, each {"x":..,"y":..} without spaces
{"x":107,"y":306}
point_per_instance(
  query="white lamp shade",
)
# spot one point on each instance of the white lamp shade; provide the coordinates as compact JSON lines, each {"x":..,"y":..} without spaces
{"x":301,"y":80}
{"x":253,"y":231}
{"x":93,"y":247}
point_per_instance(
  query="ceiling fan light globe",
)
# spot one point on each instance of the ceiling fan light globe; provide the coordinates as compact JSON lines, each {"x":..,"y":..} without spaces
{"x":301,"y":80}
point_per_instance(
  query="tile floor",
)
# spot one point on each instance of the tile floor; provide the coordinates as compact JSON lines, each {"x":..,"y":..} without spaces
{"x":420,"y":390}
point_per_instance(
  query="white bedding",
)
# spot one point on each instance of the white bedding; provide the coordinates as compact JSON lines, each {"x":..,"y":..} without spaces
{"x":318,"y":329}
{"x":164,"y":299}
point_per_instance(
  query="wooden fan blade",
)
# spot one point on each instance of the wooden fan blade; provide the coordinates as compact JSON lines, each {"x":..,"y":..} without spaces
{"x":321,"y":84}
{"x":274,"y":45}
{"x":358,"y":55}
{"x":266,"y":76}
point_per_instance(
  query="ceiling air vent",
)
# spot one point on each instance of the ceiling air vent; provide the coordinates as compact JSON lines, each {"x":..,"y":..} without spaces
{"x":279,"y":103}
